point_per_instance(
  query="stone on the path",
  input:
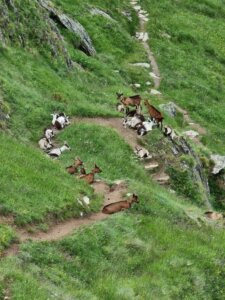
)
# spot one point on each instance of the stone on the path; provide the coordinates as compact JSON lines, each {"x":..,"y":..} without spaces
{"x":169,"y":108}
{"x":162,"y":178}
{"x":151,"y":166}
{"x":145,"y":37}
{"x":153,"y":75}
{"x":219,"y":162}
{"x":142,"y":36}
{"x":137,"y":7}
{"x":155,"y":92}
{"x":191,"y":134}
{"x":141,"y":65}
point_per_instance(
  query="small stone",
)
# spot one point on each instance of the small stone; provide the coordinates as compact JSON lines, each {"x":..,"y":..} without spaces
{"x":148,"y":83}
{"x":137,"y":85}
{"x":141,"y":64}
{"x":151,"y":166}
{"x":153,"y":75}
{"x":191,"y":134}
{"x":155,"y":92}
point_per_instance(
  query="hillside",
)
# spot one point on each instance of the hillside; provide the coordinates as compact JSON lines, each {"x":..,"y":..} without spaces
{"x":73,"y":57}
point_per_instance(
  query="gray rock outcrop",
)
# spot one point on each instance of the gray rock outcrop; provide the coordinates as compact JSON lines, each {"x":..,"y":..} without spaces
{"x":72,"y":25}
{"x":219,"y":162}
{"x":169,"y":108}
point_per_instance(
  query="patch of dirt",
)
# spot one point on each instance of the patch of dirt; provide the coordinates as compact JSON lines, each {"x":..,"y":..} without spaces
{"x":129,"y":135}
{"x":8,"y":220}
{"x":60,"y":230}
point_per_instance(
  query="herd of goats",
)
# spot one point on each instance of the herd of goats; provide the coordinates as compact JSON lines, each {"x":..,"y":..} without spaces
{"x":133,"y":119}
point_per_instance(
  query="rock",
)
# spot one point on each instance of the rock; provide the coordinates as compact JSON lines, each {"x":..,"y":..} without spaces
{"x":141,"y":65}
{"x":72,"y":25}
{"x":142,"y":36}
{"x":153,"y":75}
{"x":166,"y":35}
{"x":137,"y":7}
{"x":137,"y":85}
{"x":86,"y":200}
{"x":169,"y":108}
{"x":99,"y":12}
{"x":148,"y":83}
{"x":213,"y":215}
{"x":191,"y":134}
{"x":127,"y":14}
{"x":154,"y":92}
{"x":219,"y":162}
{"x":151,"y":166}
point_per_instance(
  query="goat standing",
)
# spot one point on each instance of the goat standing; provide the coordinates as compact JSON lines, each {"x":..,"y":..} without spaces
{"x":154,"y":113}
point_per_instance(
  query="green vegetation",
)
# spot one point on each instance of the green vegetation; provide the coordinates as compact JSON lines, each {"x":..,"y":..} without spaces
{"x":190,"y":53}
{"x":162,"y":248}
{"x":34,"y":187}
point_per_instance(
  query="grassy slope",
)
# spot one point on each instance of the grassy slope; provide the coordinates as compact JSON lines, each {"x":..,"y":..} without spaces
{"x":192,"y":61}
{"x":152,"y":252}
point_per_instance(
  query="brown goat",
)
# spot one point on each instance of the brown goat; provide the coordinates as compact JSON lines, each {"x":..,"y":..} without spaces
{"x":74,"y":169}
{"x":129,"y":101}
{"x":121,"y":205}
{"x":82,"y":171}
{"x":90,"y":177}
{"x":154,"y":113}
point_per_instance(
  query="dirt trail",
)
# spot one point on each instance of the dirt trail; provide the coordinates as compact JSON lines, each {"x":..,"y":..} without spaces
{"x":60,"y":230}
{"x":151,"y":58}
{"x":130,"y":136}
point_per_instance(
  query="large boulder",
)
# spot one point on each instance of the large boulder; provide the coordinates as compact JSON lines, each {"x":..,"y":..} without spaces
{"x":219,"y":163}
{"x":72,"y":25}
{"x":169,"y":108}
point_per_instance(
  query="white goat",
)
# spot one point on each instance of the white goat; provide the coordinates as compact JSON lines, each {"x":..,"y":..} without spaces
{"x":169,"y":132}
{"x":142,"y":152}
{"x":58,"y":151}
{"x":45,"y":144}
{"x":146,"y":126}
{"x":60,"y":120}
{"x":132,"y":122}
{"x":48,"y":133}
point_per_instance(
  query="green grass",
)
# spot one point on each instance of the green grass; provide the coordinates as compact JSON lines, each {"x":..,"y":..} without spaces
{"x":35,"y":188}
{"x":192,"y":60}
{"x":159,"y":249}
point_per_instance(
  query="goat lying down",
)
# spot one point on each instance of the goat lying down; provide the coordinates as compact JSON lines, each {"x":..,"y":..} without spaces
{"x":120,"y":205}
{"x":146,"y":126}
{"x":134,"y":121}
{"x":60,"y":120}
{"x":44,"y":144}
{"x":58,"y":151}
{"x":169,"y":132}
{"x":142,"y":153}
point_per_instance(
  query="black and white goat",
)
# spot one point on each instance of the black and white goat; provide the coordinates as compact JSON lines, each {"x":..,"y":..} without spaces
{"x":146,"y":126}
{"x":58,"y":151}
{"x":134,"y":121}
{"x":60,"y":120}
{"x":142,"y":153}
{"x":45,"y":144}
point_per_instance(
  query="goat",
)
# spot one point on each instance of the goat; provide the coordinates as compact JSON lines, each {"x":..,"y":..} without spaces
{"x":60,"y":120}
{"x":89,"y":178}
{"x":74,"y":169}
{"x":82,"y":171}
{"x":120,"y":107}
{"x":130,"y":101}
{"x":133,"y":122}
{"x":48,"y":133}
{"x":121,"y":205}
{"x":154,"y":113}
{"x":142,"y":153}
{"x":145,"y":127}
{"x":58,"y":151}
{"x":169,"y":132}
{"x":45,"y":144}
